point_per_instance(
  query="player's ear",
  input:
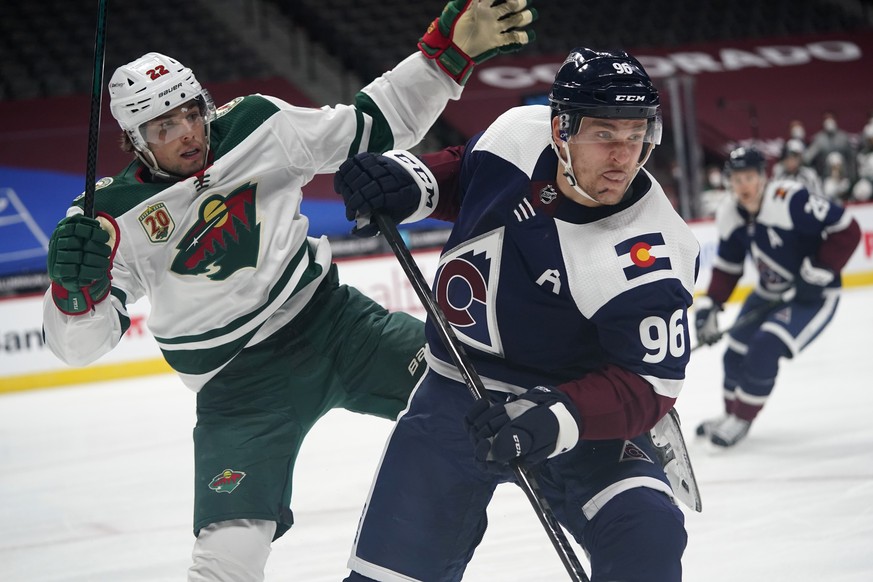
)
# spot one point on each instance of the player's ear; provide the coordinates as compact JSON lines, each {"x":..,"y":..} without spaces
{"x":559,"y":135}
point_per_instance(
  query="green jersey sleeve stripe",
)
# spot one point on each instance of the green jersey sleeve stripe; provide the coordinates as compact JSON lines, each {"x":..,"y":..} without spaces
{"x":359,"y":132}
{"x":122,"y":297}
{"x":381,"y":138}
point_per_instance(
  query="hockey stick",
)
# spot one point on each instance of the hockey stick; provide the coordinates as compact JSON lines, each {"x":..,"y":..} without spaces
{"x":477,"y":388}
{"x":96,"y":102}
{"x":752,"y":316}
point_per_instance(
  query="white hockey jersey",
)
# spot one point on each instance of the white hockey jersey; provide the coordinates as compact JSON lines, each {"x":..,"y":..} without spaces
{"x":223,"y":256}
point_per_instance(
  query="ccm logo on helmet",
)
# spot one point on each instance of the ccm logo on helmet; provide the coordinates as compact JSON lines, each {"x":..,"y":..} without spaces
{"x":630,"y":98}
{"x":170,"y":90}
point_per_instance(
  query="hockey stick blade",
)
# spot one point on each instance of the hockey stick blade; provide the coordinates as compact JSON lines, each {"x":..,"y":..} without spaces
{"x":471,"y":378}
{"x":670,"y":447}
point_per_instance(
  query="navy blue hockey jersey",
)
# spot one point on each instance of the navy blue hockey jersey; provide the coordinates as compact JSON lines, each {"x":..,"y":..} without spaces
{"x":791,"y":224}
{"x":542,"y":290}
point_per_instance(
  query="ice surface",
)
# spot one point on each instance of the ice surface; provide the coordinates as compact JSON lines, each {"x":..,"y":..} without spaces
{"x":97,"y":481}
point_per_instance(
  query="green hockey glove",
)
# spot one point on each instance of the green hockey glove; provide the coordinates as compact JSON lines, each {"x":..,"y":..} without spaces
{"x":471,"y":31}
{"x":79,"y":260}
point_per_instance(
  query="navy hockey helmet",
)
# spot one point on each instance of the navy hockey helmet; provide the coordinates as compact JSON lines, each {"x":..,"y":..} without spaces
{"x":745,"y":158}
{"x":604,"y":85}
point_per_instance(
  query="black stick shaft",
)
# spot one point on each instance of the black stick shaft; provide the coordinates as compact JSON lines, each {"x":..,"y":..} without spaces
{"x":471,"y":378}
{"x":96,"y":103}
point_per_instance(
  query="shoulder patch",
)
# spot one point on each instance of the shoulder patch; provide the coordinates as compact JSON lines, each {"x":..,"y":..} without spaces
{"x":101,"y":183}
{"x":227,"y":107}
{"x":645,"y":253}
{"x":157,"y":222}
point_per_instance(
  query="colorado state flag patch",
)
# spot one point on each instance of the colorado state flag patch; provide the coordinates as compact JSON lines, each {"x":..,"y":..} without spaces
{"x":643,"y":253}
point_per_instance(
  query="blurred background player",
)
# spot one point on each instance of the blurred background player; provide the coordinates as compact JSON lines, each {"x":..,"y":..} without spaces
{"x":554,"y":217}
{"x":248,"y":310}
{"x":799,"y":242}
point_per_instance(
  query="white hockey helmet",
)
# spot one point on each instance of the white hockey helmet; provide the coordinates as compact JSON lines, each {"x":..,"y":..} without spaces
{"x":149,"y":87}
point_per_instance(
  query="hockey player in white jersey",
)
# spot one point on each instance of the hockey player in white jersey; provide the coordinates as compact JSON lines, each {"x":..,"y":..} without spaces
{"x":567,"y":276}
{"x":799,"y":242}
{"x":206,"y":224}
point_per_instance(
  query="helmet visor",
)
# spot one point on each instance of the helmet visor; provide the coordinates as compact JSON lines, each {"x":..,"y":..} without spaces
{"x":637,"y":136}
{"x":174,"y":124}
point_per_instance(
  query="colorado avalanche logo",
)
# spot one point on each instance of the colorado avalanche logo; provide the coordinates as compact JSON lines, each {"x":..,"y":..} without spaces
{"x":631,"y":452}
{"x":466,"y":289}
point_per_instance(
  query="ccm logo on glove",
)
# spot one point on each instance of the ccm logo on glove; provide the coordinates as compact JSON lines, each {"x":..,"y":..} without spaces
{"x":538,"y":425}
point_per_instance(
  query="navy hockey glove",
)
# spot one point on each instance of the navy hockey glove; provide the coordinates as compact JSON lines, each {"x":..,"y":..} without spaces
{"x":396,"y":184}
{"x":810,"y":284}
{"x":79,"y":260}
{"x":536,"y":426}
{"x":706,"y":320}
{"x":471,"y":31}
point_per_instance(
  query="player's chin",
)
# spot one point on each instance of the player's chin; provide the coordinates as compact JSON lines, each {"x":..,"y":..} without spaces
{"x":194,"y":162}
{"x":611,"y":193}
{"x":747,"y":202}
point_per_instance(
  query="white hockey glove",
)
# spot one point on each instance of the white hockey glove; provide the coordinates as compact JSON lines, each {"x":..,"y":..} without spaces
{"x":706,"y":320}
{"x":471,"y":31}
{"x":395,"y":183}
{"x":538,"y":425}
{"x":810,"y":283}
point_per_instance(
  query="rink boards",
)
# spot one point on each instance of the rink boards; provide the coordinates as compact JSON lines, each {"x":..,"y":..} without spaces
{"x":26,"y":363}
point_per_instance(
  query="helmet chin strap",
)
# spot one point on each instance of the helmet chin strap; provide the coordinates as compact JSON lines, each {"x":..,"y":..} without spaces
{"x":571,"y":177}
{"x":148,"y":158}
{"x":568,"y":170}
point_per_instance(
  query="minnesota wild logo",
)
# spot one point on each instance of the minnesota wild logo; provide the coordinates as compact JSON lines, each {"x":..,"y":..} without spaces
{"x":226,"y":481}
{"x":227,"y":107}
{"x":224,"y":240}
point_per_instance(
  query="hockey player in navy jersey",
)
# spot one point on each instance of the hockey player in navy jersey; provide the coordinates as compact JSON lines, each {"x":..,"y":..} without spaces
{"x":205,"y":222}
{"x":567,"y":276}
{"x":799,"y":242}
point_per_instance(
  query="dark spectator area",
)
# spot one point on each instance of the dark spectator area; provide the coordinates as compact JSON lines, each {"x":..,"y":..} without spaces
{"x":370,"y":37}
{"x":47,"y":46}
{"x":313,"y":52}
